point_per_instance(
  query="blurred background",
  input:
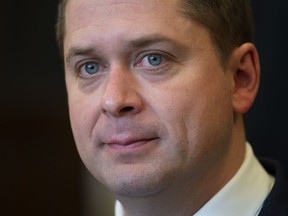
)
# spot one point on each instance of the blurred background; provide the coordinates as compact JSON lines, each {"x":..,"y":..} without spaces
{"x":41,"y":173}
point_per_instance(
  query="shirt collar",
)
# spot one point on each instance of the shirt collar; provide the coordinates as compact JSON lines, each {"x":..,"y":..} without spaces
{"x":244,"y":194}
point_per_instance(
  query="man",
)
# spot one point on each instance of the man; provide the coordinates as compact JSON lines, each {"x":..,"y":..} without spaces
{"x":157,"y":90}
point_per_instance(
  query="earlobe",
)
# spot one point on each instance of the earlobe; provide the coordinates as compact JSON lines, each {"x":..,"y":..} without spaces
{"x":246,"y":77}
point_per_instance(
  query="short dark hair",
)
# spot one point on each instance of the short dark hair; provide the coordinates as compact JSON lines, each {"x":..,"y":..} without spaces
{"x":229,"y":22}
{"x":60,"y":24}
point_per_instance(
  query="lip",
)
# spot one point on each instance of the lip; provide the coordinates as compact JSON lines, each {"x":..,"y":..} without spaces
{"x":130,"y":144}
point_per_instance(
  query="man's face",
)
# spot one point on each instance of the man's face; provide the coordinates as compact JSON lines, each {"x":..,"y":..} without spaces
{"x":150,"y":104}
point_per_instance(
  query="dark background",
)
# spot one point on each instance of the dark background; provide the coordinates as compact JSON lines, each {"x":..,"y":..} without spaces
{"x":41,"y":173}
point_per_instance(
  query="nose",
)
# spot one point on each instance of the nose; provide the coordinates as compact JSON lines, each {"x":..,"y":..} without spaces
{"x":120,"y":95}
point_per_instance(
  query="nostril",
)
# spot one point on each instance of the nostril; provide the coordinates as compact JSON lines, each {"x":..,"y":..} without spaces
{"x":127,"y":109}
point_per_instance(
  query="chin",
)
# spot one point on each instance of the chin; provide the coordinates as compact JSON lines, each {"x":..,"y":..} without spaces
{"x":138,"y":184}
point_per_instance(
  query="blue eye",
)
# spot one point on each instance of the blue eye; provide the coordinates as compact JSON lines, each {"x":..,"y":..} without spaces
{"x":154,"y":60}
{"x":91,"y":68}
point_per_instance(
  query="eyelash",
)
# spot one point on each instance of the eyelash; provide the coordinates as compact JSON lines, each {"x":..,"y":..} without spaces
{"x":85,"y":75}
{"x":165,"y":58}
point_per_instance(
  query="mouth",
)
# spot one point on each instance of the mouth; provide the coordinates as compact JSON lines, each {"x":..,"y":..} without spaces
{"x":130,"y":144}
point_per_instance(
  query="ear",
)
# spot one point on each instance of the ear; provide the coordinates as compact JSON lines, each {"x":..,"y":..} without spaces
{"x":246,"y":77}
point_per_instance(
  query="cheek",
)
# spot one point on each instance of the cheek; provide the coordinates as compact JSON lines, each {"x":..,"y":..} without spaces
{"x":196,"y":113}
{"x":209,"y":123}
{"x":83,"y":114}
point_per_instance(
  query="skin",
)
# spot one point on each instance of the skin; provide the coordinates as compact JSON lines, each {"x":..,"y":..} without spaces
{"x":163,"y":138}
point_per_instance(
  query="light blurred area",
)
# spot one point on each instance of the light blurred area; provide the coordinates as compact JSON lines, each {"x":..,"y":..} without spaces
{"x":97,"y":200}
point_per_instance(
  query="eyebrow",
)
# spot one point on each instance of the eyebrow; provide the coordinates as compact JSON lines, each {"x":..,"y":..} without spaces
{"x":137,"y":43}
{"x":152,"y":39}
{"x":79,"y":51}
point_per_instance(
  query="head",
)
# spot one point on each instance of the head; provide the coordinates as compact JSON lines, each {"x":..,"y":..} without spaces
{"x":152,"y":108}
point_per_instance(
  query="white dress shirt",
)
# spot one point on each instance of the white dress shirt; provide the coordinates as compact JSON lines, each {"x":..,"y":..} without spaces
{"x":243,"y":195}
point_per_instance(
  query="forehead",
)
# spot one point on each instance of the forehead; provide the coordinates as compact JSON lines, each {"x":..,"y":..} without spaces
{"x":112,"y":23}
{"x":80,"y":11}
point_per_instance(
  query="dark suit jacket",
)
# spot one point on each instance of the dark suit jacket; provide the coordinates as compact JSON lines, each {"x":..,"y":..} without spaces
{"x":276,"y":204}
